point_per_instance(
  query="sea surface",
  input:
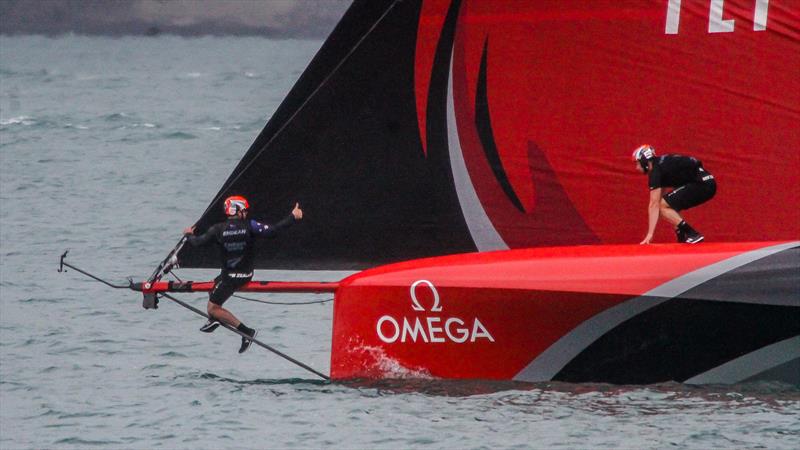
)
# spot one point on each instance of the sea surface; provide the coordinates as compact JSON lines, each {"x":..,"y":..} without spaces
{"x":109,"y":148}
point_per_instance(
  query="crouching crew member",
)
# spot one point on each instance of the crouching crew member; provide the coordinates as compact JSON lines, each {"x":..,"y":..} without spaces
{"x":692,"y":185}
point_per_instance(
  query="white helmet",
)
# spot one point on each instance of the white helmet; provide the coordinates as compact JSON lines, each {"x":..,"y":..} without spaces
{"x":643,"y":154}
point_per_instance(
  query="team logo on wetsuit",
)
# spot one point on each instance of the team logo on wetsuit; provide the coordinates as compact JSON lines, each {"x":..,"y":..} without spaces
{"x":429,"y":327}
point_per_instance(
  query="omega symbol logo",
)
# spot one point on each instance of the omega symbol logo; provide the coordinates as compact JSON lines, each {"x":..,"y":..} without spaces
{"x":428,"y":327}
{"x":415,"y":302}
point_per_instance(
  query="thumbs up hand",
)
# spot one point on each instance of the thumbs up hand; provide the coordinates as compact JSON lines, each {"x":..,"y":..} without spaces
{"x":297,"y":212}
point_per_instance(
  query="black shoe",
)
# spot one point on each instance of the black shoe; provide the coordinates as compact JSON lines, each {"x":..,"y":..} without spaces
{"x":246,"y":342}
{"x":693,"y":237}
{"x":209,"y":326}
{"x":681,"y":235}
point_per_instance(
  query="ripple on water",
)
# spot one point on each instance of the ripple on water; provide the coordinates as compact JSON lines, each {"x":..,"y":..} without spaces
{"x":179,"y":135}
{"x":80,"y":441}
{"x":154,"y":367}
{"x":104,"y":341}
{"x":77,"y":415}
{"x":116,"y":117}
{"x":19,"y":120}
{"x":16,"y":386}
{"x":41,"y":300}
{"x":267,"y":382}
{"x":79,"y":350}
{"x":49,"y":369}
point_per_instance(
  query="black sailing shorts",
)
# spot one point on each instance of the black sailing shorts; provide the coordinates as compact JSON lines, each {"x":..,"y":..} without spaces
{"x":225,"y":285}
{"x":692,"y":194}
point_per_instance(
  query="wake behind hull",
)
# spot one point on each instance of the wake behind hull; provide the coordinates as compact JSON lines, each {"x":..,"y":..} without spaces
{"x":716,"y":313}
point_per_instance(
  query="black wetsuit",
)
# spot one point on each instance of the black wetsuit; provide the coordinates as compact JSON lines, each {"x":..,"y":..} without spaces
{"x":235,"y":238}
{"x":693,"y":184}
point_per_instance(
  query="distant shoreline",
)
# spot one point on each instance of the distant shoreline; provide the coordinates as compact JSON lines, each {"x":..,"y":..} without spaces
{"x":195,"y":30}
{"x":171,"y":31}
{"x":281,"y":19}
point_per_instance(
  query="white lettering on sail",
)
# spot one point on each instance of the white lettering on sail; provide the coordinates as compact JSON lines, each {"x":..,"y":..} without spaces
{"x":431,"y":329}
{"x":716,"y":24}
{"x":673,"y":16}
{"x":760,"y":16}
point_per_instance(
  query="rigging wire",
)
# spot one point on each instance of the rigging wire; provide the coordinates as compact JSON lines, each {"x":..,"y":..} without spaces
{"x":267,"y":302}
{"x":302,"y":106}
{"x":284,"y":125}
{"x":255,"y":341}
{"x":258,"y":300}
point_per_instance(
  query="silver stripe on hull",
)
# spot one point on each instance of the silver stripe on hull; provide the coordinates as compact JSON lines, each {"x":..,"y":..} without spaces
{"x":751,"y":364}
{"x":551,"y":361}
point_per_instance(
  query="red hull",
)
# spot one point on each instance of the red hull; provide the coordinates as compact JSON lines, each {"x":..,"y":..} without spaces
{"x":570,"y":313}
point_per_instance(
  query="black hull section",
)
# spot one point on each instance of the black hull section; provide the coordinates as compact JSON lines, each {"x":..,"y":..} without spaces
{"x":680,"y":339}
{"x":730,"y":316}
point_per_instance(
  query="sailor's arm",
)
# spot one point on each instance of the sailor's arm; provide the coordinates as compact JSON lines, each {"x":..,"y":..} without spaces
{"x":265,"y":230}
{"x":652,"y":214}
{"x":199,"y":240}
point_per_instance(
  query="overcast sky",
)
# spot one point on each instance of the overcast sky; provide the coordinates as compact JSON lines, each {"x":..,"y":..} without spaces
{"x":279,"y":18}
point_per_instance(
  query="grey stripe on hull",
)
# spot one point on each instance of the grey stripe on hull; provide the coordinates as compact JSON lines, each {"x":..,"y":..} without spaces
{"x":480,"y":227}
{"x":751,"y":364}
{"x":551,"y":361}
{"x":745,"y":284}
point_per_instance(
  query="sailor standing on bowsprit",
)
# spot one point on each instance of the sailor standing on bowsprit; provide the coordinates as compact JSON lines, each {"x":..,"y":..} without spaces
{"x":235,"y":238}
{"x":692,"y":184}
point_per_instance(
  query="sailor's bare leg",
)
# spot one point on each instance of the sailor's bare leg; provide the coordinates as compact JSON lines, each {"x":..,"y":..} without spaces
{"x":669,"y":214}
{"x":222,"y":314}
